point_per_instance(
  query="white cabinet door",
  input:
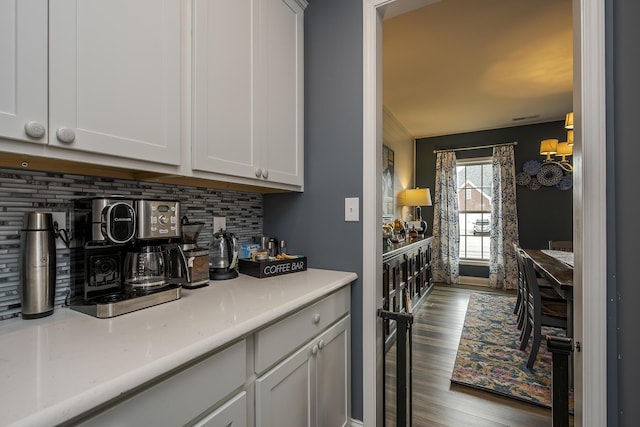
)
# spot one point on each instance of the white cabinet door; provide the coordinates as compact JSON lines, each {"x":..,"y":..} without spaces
{"x":332,"y":368}
{"x":285,"y":394}
{"x":311,"y":387}
{"x":115,"y":77}
{"x":280,"y":88}
{"x":232,"y":414}
{"x":248,"y":89}
{"x":223,"y":138}
{"x":23,"y":70}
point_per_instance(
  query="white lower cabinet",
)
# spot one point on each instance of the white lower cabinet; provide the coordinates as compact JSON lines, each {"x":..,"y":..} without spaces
{"x":183,"y":397}
{"x":310,"y":387}
{"x":231,"y":414}
{"x":292,"y":373}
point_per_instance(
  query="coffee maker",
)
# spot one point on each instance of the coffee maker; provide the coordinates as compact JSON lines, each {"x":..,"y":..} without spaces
{"x":130,"y":255}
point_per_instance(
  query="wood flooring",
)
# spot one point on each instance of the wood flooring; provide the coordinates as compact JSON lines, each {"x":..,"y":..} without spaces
{"x":436,"y":401}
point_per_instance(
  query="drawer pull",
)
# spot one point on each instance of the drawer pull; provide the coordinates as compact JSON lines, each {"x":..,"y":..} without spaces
{"x":314,"y":350}
{"x":258,"y":173}
{"x":316,"y":318}
{"x":321,"y":344}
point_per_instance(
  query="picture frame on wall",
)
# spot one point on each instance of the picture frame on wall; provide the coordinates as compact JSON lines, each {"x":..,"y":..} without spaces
{"x":388,"y":198}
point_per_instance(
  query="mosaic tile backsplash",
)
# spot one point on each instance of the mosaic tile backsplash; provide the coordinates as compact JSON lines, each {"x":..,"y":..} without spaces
{"x":22,"y":191}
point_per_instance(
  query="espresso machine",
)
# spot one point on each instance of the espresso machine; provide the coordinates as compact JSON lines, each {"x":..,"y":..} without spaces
{"x":130,"y":256}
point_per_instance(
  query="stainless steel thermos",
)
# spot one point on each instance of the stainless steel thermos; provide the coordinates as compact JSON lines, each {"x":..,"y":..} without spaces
{"x":37,"y":265}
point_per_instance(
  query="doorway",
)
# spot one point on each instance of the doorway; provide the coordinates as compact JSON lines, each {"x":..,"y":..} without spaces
{"x":589,"y":210}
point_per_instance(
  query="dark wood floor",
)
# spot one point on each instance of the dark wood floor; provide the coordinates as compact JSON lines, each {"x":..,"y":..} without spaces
{"x":436,"y":401}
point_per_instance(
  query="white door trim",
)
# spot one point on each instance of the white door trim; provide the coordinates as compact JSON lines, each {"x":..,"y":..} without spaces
{"x":372,"y":211}
{"x":589,"y":209}
{"x":589,"y":213}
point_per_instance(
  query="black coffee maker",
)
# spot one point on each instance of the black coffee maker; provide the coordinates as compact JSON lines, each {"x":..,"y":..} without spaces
{"x":129,"y":256}
{"x":223,"y":256}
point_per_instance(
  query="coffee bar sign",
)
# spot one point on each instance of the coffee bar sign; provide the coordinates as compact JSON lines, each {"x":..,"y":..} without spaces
{"x":262,"y":269}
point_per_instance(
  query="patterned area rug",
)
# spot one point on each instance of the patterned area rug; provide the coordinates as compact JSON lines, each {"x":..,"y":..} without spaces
{"x":489,"y":357}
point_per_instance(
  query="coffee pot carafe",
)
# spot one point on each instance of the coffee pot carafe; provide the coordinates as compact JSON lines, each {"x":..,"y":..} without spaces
{"x":145,"y":268}
{"x":223,"y":255}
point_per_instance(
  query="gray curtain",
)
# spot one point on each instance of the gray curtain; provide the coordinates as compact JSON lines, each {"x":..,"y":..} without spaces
{"x":503,"y":267}
{"x":446,"y":219}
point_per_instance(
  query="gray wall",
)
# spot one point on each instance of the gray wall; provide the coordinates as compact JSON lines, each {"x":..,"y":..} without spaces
{"x":622,"y":105}
{"x":313,"y":222}
{"x":543,"y":215}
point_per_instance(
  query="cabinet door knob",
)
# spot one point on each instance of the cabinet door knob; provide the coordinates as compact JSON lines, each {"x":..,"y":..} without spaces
{"x":265,"y":174}
{"x":65,"y":135}
{"x":316,"y":318}
{"x":35,"y":129}
{"x":314,"y":350}
{"x":321,"y":344}
{"x":258,"y":173}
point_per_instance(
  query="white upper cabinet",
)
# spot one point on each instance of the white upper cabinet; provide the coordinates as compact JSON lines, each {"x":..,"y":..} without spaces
{"x":248,"y":89}
{"x":281,"y":82}
{"x":115,"y":77}
{"x":23,"y":70}
{"x":223,"y":70}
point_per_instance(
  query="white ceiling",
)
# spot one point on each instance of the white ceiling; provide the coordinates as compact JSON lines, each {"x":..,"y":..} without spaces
{"x":453,"y":66}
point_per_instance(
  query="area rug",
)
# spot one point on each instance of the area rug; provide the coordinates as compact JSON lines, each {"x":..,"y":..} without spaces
{"x":489,"y":357}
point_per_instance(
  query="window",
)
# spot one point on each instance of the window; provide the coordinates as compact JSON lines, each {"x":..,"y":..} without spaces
{"x":474,"y":203}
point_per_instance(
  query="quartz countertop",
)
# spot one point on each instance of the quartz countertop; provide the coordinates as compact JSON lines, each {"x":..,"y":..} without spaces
{"x":57,"y":367}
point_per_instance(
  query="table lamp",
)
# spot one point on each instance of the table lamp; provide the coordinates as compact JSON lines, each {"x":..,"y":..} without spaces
{"x":417,"y":198}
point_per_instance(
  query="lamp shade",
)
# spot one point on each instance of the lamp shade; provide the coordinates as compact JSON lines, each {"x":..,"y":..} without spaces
{"x":568,"y":121}
{"x":416,"y":197}
{"x":570,"y":137}
{"x":564,"y":150}
{"x":548,"y":146}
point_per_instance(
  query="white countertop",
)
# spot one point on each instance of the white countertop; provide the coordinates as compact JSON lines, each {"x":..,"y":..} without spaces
{"x":55,"y":368}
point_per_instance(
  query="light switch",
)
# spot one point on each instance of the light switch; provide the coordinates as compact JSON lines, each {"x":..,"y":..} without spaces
{"x":352,"y":209}
{"x":219,"y":223}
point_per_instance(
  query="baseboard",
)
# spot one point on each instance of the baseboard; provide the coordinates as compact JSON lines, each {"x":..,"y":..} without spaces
{"x":356,"y":423}
{"x":474,"y":281}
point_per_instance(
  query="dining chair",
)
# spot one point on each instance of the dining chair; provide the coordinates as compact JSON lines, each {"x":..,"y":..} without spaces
{"x":539,"y":312}
{"x":561,"y":245}
{"x":547,"y":292}
{"x":518,"y":309}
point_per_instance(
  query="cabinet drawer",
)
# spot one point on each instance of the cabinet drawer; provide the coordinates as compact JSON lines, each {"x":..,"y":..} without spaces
{"x":280,"y":339}
{"x":183,"y":396}
{"x":232,"y":414}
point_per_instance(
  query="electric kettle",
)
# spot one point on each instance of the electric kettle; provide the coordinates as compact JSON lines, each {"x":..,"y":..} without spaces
{"x":223,"y":255}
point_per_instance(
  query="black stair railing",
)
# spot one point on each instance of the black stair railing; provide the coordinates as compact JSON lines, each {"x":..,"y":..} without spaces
{"x":403,"y":364}
{"x":561,"y":349}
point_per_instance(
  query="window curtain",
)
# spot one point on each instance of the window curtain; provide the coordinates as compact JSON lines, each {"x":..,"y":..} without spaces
{"x":446,"y":220}
{"x":503,"y":267}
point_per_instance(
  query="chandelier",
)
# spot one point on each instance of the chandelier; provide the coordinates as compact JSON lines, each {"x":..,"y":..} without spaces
{"x":554,"y":149}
